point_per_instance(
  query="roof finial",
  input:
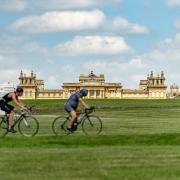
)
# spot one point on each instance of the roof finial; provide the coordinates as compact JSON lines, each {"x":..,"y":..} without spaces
{"x":32,"y":73}
{"x":21,"y":74}
{"x":151,"y":74}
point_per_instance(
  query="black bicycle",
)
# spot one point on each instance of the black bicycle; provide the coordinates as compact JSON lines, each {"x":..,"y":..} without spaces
{"x":90,"y":124}
{"x":27,"y":125}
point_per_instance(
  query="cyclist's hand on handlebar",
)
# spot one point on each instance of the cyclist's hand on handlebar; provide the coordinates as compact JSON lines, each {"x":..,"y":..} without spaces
{"x":26,"y":109}
{"x":15,"y":111}
{"x":90,"y":107}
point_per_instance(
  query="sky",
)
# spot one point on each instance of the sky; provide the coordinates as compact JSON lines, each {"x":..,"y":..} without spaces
{"x":59,"y":40}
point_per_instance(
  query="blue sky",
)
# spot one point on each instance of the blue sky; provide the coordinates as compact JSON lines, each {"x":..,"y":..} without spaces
{"x":60,"y":39}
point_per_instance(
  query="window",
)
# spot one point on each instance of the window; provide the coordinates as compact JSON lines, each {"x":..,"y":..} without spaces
{"x":26,"y":93}
{"x":157,"y":94}
{"x":91,"y":93}
{"x":112,"y":94}
{"x":152,"y":94}
{"x":97,"y":93}
{"x":162,"y":94}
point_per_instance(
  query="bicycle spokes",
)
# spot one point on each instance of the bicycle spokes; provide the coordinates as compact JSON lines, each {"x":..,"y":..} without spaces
{"x":26,"y":122}
{"x":92,"y":125}
{"x":59,"y":126}
{"x":28,"y":126}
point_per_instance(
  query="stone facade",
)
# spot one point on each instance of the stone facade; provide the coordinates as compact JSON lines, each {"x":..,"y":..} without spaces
{"x":152,"y":88}
{"x":174,"y":91}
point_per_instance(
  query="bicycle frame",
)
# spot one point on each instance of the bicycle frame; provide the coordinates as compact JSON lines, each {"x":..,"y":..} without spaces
{"x":17,"y":118}
{"x":85,"y":116}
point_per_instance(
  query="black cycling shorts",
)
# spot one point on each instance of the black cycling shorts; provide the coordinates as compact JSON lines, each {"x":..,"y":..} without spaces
{"x":6,"y":107}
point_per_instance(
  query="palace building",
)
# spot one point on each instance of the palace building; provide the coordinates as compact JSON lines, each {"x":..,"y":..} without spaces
{"x":174,"y":91}
{"x":152,"y":88}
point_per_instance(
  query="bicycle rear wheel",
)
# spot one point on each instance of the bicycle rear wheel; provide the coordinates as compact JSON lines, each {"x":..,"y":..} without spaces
{"x":3,"y":127}
{"x":92,"y":125}
{"x":59,"y":126}
{"x":3,"y":124}
{"x":28,"y":126}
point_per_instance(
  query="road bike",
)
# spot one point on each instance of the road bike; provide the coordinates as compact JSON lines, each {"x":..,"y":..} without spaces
{"x":90,"y":124}
{"x":27,"y":125}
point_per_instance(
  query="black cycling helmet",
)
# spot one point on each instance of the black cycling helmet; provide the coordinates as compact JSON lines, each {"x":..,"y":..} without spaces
{"x":19,"y":90}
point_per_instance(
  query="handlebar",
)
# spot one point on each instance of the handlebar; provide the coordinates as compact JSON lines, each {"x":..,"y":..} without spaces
{"x":24,"y":111}
{"x":90,"y":110}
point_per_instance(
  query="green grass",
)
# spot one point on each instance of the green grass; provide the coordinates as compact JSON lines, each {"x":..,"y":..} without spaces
{"x":55,"y":106}
{"x":140,"y":140}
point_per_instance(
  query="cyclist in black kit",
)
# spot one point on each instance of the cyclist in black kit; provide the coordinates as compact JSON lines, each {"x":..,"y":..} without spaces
{"x":9,"y":109}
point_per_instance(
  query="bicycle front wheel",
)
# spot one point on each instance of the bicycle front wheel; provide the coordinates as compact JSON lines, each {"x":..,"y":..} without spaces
{"x":28,"y":126}
{"x":92,"y":125}
{"x":59,"y":126}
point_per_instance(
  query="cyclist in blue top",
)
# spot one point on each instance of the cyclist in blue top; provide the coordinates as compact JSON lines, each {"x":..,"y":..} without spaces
{"x":71,"y":105}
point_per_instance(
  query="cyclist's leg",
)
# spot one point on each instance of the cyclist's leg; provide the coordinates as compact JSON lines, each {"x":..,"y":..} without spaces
{"x":10,"y":119}
{"x":10,"y":111}
{"x":72,"y":119}
{"x":73,"y":115}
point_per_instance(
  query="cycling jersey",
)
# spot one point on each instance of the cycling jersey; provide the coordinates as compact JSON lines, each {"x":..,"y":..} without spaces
{"x":7,"y":98}
{"x":72,"y":102}
{"x":4,"y":103}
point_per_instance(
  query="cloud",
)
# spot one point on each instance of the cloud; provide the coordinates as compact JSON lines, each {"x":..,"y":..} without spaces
{"x":165,"y":57}
{"x":118,"y":71}
{"x":73,"y":4}
{"x":167,"y":51}
{"x":59,"y":22}
{"x":177,"y":24}
{"x":115,"y":66}
{"x":19,"y":45}
{"x":70,"y":21}
{"x":54,"y":5}
{"x":84,"y":45}
{"x":120,"y":23}
{"x":173,"y":3}
{"x":52,"y":81}
{"x":13,"y":5}
{"x":9,"y":75}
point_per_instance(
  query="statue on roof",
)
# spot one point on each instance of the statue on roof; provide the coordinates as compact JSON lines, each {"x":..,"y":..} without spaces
{"x":92,"y":74}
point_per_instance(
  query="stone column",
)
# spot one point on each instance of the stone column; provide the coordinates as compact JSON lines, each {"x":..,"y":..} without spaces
{"x":88,"y":94}
{"x":95,"y":94}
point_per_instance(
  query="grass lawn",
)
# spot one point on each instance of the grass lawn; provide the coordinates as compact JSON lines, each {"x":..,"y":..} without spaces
{"x":140,"y":140}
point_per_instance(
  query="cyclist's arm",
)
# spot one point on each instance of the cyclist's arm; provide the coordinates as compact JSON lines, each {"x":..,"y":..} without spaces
{"x":17,"y":102}
{"x":83,"y":103}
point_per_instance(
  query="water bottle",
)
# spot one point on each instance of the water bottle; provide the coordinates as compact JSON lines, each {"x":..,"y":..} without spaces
{"x":78,"y":119}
